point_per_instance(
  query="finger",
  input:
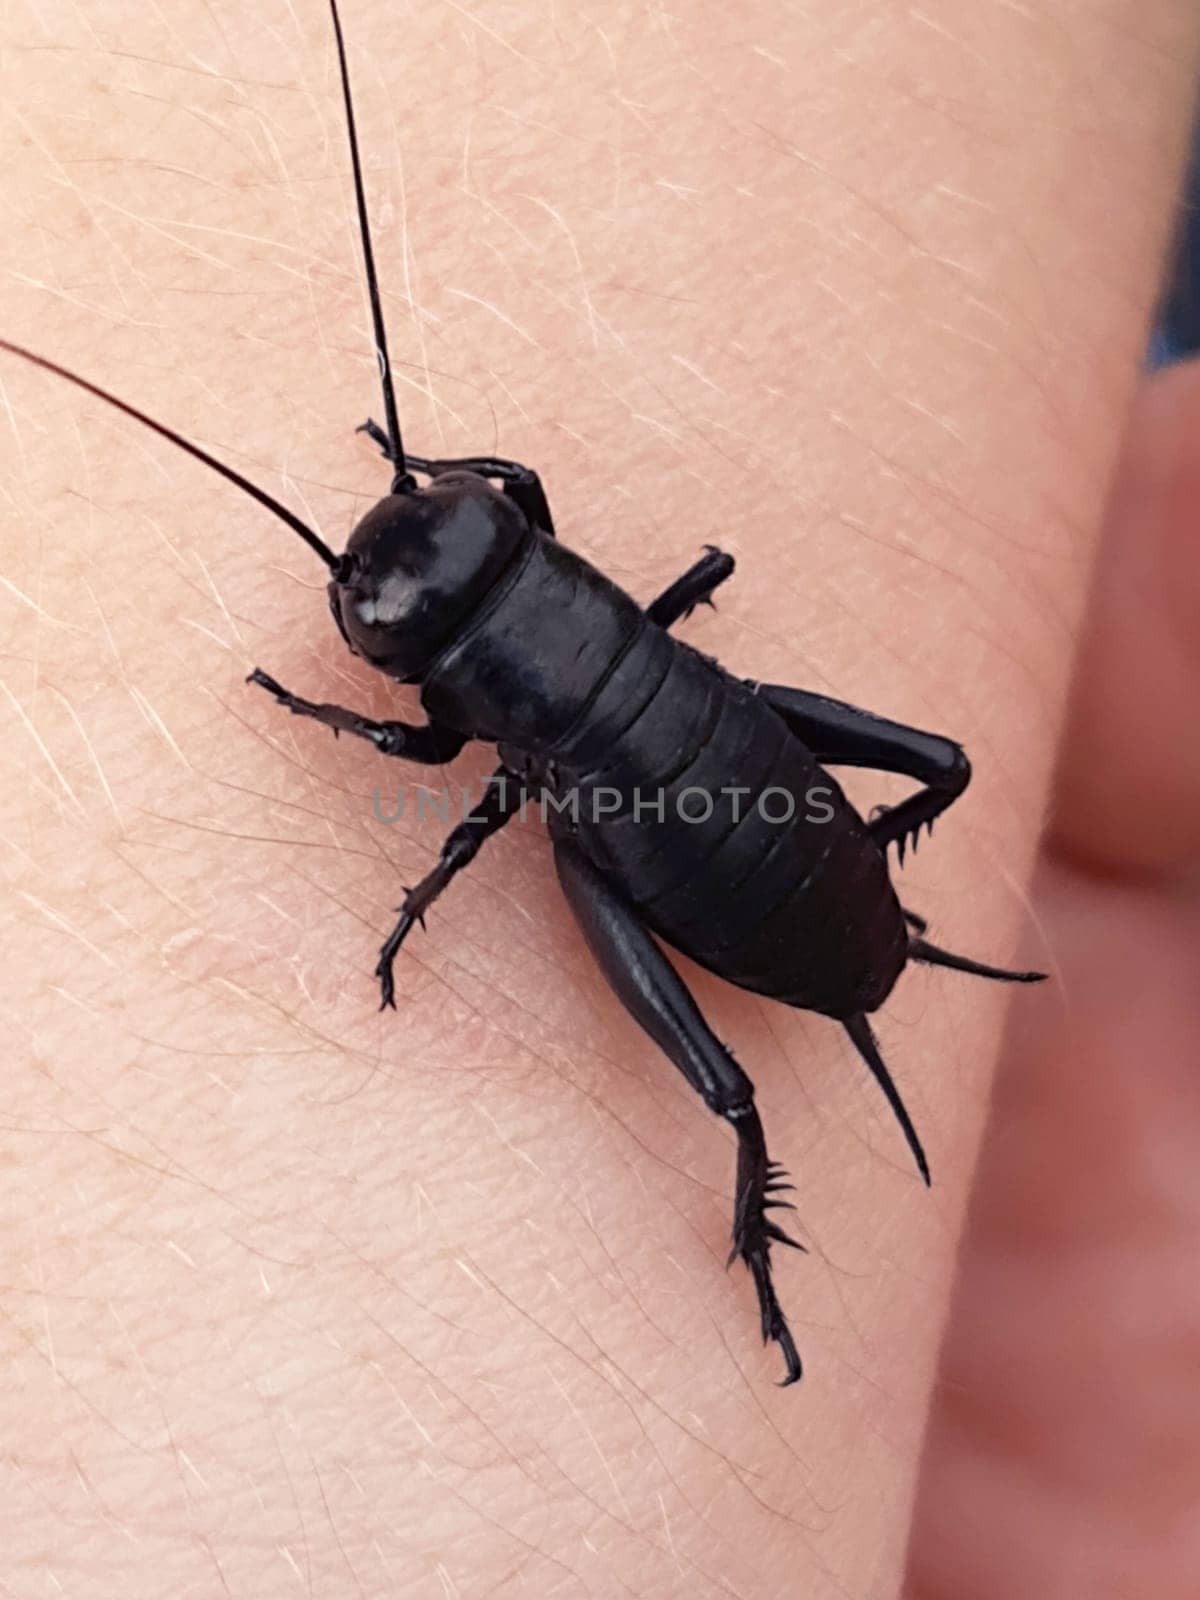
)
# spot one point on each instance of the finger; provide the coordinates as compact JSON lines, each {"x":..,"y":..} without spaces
{"x":1128,"y":789}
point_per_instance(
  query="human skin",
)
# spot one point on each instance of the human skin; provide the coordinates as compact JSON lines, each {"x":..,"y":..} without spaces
{"x":1062,"y":1457}
{"x":301,"y":1297}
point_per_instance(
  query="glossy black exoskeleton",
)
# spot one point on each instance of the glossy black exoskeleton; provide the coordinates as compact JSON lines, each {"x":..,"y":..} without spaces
{"x":461,"y":587}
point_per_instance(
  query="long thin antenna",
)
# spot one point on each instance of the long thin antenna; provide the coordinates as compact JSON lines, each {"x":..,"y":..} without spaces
{"x":252,"y":489}
{"x":391,"y":415}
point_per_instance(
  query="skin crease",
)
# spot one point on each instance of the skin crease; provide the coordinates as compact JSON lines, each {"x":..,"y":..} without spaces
{"x":301,"y":1298}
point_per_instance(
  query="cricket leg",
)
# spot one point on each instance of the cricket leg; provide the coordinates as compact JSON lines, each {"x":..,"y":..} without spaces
{"x":429,"y":743}
{"x":521,"y":484}
{"x":694,"y":588}
{"x":505,"y":791}
{"x":842,"y":735}
{"x":657,"y":998}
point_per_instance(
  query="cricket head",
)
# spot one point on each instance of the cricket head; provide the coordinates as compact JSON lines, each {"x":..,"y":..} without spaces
{"x":418,"y":565}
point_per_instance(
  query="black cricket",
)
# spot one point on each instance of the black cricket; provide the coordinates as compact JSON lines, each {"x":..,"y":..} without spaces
{"x":462,"y":588}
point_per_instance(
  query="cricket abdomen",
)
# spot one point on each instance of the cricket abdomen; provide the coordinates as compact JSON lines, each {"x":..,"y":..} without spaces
{"x":735,"y":846}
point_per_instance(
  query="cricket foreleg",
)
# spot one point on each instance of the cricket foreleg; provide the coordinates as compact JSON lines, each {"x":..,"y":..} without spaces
{"x":429,"y":744}
{"x":502,"y":801}
{"x":656,"y":997}
{"x":521,"y":484}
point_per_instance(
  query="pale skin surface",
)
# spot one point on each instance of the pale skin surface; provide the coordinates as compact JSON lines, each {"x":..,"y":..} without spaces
{"x":298,"y":1298}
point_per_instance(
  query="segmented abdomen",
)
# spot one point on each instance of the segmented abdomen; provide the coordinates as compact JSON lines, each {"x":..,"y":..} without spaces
{"x":717,"y":822}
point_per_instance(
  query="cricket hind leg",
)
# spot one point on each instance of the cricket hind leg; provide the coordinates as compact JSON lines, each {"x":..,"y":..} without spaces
{"x":521,"y":484}
{"x":657,"y":998}
{"x":838,"y":734}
